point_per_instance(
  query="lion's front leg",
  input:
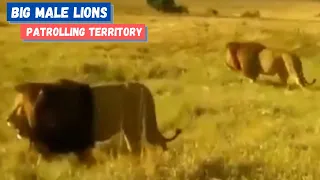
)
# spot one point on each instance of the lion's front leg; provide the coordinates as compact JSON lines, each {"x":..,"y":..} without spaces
{"x":86,"y":156}
{"x":133,"y":140}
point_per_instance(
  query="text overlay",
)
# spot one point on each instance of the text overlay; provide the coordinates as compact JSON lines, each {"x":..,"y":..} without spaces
{"x":84,"y":32}
{"x":59,"y":12}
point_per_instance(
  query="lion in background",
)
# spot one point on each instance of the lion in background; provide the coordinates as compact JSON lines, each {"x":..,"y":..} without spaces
{"x":253,"y":59}
{"x":116,"y":107}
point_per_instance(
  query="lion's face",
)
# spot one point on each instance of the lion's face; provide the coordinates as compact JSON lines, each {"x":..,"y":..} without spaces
{"x":18,"y":118}
{"x":232,"y":60}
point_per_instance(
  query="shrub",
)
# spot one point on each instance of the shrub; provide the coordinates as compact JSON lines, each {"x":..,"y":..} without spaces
{"x":251,"y":14}
{"x":167,"y":6}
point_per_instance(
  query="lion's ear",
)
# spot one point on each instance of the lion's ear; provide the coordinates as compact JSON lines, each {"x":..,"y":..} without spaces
{"x":22,"y":87}
{"x":29,"y":89}
{"x":228,"y":44}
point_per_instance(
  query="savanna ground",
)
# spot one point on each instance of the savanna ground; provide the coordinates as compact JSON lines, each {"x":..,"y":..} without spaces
{"x":232,"y":129}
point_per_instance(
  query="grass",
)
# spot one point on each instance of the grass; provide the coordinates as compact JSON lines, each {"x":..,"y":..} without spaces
{"x":232,"y":129}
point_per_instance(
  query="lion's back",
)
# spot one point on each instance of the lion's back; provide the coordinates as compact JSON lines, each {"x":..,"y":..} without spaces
{"x":108,"y":109}
{"x":126,"y":103}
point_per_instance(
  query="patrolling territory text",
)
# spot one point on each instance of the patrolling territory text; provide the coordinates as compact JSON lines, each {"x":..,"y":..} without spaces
{"x":72,"y":21}
{"x":97,"y":32}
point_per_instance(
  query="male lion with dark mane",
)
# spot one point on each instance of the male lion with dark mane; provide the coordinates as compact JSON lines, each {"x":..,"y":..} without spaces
{"x":253,"y":59}
{"x":67,"y":118}
{"x":55,"y":117}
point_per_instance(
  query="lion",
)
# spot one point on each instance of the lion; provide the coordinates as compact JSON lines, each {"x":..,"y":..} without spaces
{"x":253,"y":59}
{"x":134,"y":104}
{"x":51,"y":128}
{"x":20,"y":115}
{"x":127,"y":107}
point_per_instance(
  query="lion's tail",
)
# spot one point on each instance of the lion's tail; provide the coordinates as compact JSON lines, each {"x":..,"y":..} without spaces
{"x":153,"y":131}
{"x":294,"y":64}
{"x":302,"y":80}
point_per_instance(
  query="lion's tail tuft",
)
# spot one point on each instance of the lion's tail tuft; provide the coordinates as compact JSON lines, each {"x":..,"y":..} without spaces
{"x":303,"y":80}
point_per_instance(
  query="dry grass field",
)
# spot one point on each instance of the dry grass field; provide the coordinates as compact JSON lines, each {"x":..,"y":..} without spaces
{"x":231,"y":129}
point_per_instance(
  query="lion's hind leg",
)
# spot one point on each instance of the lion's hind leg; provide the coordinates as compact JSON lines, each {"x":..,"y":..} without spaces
{"x":284,"y":76}
{"x":301,"y":83}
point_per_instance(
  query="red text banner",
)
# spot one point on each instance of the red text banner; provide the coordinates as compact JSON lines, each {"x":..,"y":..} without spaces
{"x":84,"y":32}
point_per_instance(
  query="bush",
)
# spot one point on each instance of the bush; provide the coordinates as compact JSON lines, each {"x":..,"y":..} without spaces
{"x":212,"y":12}
{"x":167,"y":6}
{"x":251,"y":14}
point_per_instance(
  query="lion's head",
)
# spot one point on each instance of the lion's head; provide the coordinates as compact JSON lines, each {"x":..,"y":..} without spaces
{"x":21,"y":115}
{"x":18,"y":118}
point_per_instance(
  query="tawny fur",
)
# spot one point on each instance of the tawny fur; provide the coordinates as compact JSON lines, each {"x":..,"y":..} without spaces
{"x":128,"y":107}
{"x":253,"y":59}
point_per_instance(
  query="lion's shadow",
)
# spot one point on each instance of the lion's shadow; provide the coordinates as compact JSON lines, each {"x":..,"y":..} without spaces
{"x":219,"y":169}
{"x":269,"y":82}
{"x":279,"y":85}
{"x":316,"y":88}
